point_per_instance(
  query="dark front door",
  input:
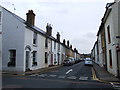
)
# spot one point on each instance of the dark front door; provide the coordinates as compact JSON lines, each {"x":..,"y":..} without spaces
{"x":119,"y":64}
{"x":27,"y":60}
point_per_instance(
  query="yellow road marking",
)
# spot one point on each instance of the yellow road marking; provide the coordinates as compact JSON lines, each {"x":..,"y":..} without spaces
{"x":94,"y":77}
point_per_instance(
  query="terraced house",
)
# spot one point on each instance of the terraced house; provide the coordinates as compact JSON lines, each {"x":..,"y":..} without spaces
{"x":23,"y":46}
{"x":109,"y":39}
{"x":0,"y":40}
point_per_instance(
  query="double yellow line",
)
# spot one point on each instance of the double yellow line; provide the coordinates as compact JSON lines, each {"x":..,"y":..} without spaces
{"x":94,"y":77}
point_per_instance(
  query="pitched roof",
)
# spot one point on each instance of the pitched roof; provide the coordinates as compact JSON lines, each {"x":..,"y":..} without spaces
{"x":30,"y":26}
{"x":107,"y":12}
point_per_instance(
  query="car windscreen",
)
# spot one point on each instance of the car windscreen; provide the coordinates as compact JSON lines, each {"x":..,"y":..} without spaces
{"x":89,"y":60}
{"x":66,"y":60}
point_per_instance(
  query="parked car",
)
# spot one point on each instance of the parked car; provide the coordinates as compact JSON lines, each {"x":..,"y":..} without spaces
{"x":77,"y":60}
{"x":72,"y":59}
{"x":67,"y":62}
{"x":88,"y":61}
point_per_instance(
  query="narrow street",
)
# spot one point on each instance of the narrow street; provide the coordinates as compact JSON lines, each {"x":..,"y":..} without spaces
{"x":75,"y":76}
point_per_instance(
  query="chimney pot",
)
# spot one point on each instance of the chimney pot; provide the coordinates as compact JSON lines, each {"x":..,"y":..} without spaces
{"x":64,"y":42}
{"x":71,"y":46}
{"x":49,"y":29}
{"x":116,"y":0}
{"x":58,"y":36}
{"x":68,"y":43}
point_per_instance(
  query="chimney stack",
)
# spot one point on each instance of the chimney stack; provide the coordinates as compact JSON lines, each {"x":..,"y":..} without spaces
{"x":58,"y":36}
{"x":30,"y":17}
{"x":116,"y":0}
{"x":49,"y":29}
{"x":75,"y":49}
{"x":68,"y":43}
{"x":64,"y":42}
{"x":71,"y":46}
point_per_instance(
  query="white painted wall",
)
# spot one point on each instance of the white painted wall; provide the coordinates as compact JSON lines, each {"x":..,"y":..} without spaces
{"x":100,"y":51}
{"x":112,"y":20}
{"x":12,"y":38}
{"x":54,"y":51}
{"x":1,"y":39}
{"x":96,"y":54}
{"x":48,"y":50}
{"x":40,"y":48}
{"x":116,"y":0}
{"x":119,"y":38}
{"x":17,"y":36}
{"x":63,"y":56}
{"x":41,"y":52}
{"x":57,"y":52}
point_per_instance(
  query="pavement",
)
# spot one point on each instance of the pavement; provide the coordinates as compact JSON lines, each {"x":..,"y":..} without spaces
{"x":101,"y":73}
{"x":104,"y":75}
{"x":30,"y":72}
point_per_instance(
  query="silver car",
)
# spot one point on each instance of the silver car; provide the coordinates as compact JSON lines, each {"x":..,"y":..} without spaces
{"x":67,"y":62}
{"x":72,"y":59}
{"x":88,"y":61}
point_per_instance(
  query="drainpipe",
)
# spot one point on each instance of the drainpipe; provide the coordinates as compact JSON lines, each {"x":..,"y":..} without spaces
{"x":118,"y":50}
{"x":117,"y":47}
{"x":117,"y":66}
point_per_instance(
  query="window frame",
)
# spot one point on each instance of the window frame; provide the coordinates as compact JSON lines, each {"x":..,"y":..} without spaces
{"x":12,"y":58}
{"x":35,"y":38}
{"x":46,"y":57}
{"x":110,"y":58}
{"x":34,"y":58}
{"x":108,"y":33}
{"x":46,"y":42}
{"x":55,"y":60}
{"x":0,"y":17}
{"x":54,"y":45}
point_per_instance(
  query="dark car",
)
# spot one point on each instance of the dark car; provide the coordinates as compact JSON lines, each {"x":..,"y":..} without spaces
{"x":67,"y":62}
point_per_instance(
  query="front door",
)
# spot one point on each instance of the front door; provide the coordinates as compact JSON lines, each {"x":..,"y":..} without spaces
{"x":27,"y":60}
{"x":51,"y":59}
{"x":119,"y":64}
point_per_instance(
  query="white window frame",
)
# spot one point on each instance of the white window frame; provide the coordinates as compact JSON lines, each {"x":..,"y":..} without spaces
{"x":34,"y":59}
{"x":54,"y":45}
{"x":12,"y":63}
{"x":46,"y":42}
{"x":35,"y":38}
{"x":0,"y":17}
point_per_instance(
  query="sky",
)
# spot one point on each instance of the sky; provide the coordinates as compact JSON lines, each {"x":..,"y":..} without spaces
{"x":76,"y":20}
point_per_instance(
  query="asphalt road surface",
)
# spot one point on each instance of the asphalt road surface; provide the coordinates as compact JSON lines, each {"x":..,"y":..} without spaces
{"x":75,"y":76}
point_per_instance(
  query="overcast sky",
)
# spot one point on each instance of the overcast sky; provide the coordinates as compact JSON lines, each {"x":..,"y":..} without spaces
{"x":77,"y":20}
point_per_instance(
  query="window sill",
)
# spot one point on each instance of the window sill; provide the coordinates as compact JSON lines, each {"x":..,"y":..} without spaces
{"x":11,"y":64}
{"x":34,"y":65}
{"x":34,"y":45}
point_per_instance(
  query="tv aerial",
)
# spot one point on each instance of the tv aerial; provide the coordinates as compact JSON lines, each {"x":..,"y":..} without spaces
{"x":13,"y":7}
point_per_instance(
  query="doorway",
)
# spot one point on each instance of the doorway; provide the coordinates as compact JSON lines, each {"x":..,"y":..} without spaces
{"x":118,"y":56}
{"x":27,"y":60}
